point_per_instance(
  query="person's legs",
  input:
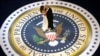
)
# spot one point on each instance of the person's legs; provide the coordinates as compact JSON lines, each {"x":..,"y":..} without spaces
{"x":50,"y":26}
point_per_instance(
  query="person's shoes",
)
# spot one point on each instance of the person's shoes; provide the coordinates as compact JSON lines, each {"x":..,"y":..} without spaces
{"x":53,"y":30}
{"x":49,"y":30}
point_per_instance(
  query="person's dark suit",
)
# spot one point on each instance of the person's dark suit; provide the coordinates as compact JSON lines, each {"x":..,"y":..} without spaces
{"x":50,"y":18}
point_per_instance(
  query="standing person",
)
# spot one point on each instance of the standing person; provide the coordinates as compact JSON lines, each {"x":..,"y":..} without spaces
{"x":45,"y":20}
{"x":48,"y":17}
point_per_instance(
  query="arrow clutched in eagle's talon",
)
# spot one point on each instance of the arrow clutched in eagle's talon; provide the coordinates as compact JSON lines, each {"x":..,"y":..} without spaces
{"x":64,"y":38}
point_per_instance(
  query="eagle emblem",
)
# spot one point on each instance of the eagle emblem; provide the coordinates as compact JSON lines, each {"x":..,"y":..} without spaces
{"x":47,"y":32}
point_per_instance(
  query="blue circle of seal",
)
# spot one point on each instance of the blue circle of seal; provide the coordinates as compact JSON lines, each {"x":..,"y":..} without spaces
{"x":30,"y":36}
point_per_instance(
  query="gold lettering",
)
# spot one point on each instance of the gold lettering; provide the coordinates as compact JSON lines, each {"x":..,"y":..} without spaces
{"x":18,"y":40}
{"x":23,"y":47}
{"x":72,"y":50}
{"x":67,"y":53}
{"x":58,"y":11}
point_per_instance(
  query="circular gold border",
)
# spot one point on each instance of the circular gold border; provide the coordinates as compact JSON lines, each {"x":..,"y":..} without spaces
{"x":21,"y":52}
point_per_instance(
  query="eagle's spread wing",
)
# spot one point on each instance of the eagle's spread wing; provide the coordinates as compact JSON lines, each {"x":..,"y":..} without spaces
{"x":59,"y":29}
{"x":40,"y":32}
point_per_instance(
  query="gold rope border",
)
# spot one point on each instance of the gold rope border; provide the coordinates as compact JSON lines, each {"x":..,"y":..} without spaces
{"x":23,"y":53}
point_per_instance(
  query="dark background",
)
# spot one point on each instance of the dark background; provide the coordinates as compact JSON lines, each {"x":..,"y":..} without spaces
{"x":8,"y":6}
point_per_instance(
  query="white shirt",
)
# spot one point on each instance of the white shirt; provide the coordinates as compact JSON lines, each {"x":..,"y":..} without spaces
{"x":45,"y":23}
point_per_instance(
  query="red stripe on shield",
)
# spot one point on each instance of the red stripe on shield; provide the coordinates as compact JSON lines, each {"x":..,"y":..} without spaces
{"x":51,"y":36}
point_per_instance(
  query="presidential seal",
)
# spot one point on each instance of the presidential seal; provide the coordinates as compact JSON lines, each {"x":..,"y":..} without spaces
{"x":50,"y":28}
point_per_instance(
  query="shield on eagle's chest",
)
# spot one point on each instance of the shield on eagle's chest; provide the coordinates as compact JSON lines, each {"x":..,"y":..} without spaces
{"x":51,"y":36}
